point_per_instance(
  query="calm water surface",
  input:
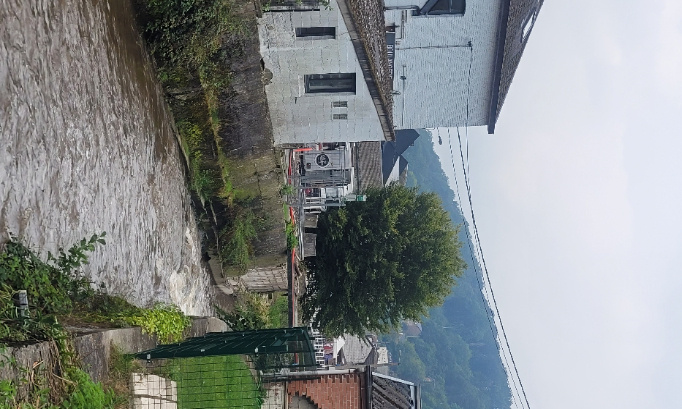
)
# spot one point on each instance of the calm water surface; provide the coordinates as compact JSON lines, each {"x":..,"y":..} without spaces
{"x":86,"y":146}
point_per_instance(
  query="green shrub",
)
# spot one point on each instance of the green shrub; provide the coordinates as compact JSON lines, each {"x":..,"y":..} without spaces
{"x":292,"y":235}
{"x":163,"y":320}
{"x":86,"y":394}
{"x":250,"y":313}
{"x":278,"y":312}
{"x":237,"y":237}
{"x":189,"y":33}
{"x":52,"y":286}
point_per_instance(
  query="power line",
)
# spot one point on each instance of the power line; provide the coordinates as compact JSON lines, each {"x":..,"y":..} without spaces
{"x":474,"y":256}
{"x":479,"y":248}
{"x":485,"y":269}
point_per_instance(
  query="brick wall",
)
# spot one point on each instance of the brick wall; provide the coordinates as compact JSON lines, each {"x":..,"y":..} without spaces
{"x":344,"y":391}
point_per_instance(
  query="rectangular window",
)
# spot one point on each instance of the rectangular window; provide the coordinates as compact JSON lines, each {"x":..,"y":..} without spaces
{"x":340,"y":104}
{"x":330,"y":83}
{"x":340,"y":116}
{"x":316,"y":33}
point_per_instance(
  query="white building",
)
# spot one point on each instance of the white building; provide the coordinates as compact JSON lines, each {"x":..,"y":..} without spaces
{"x":454,"y":60}
{"x":357,"y":70}
{"x":325,"y":85}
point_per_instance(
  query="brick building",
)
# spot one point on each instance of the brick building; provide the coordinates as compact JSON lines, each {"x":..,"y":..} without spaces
{"x":359,"y":388}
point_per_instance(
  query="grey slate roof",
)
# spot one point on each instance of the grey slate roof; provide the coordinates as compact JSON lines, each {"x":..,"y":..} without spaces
{"x":356,"y":349}
{"x":514,"y":15}
{"x":392,"y":151}
{"x":367,"y":28}
{"x":393,"y":393}
{"x":368,"y":165}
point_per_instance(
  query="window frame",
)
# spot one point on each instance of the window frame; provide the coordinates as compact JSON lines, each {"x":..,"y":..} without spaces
{"x":451,"y":11}
{"x":314,"y":84}
{"x":315,"y":33}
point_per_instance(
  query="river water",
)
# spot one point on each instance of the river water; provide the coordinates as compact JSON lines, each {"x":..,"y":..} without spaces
{"x":86,"y":146}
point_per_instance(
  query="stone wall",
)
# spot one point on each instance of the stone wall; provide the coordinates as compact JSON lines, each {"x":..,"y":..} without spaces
{"x":266,"y":279}
{"x":246,"y":137}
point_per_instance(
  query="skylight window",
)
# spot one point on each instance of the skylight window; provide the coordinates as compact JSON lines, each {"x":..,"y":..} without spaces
{"x":528,"y":25}
{"x":436,"y":7}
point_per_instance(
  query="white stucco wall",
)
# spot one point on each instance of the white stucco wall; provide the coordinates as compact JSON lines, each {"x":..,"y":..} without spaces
{"x":432,"y":54}
{"x":298,"y":117}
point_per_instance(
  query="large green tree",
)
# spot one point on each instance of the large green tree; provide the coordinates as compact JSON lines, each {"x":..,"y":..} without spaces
{"x":381,"y":261}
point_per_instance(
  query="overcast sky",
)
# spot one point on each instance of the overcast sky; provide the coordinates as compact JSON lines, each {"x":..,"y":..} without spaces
{"x":578,"y":199}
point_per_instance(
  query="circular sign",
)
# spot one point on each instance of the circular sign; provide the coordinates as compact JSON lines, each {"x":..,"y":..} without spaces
{"x":322,"y":160}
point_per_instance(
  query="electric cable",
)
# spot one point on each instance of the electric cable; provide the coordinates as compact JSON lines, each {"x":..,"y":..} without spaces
{"x":482,"y":287}
{"x":485,"y":269}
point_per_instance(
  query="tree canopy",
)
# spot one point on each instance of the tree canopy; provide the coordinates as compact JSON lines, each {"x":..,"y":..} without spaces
{"x":457,"y":358}
{"x":381,"y":261}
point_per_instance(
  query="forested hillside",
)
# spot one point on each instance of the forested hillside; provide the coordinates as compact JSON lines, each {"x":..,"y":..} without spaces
{"x":455,"y":358}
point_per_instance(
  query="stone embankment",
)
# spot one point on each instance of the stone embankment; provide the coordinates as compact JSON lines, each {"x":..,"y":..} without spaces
{"x":93,"y":347}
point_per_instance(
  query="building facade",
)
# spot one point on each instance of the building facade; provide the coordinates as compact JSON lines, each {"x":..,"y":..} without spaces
{"x":323,"y":87}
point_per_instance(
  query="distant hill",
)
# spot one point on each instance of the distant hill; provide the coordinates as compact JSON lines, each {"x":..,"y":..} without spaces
{"x":455,"y":358}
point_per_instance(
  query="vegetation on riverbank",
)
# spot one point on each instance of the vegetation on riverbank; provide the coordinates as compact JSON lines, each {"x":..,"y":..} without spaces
{"x":186,"y":41}
{"x":196,"y":45}
{"x":58,"y":292}
{"x":253,"y":311}
{"x":64,"y":386}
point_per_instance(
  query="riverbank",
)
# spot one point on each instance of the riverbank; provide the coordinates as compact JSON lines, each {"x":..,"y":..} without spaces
{"x":100,"y":351}
{"x":208,"y":63}
{"x":87,"y":145}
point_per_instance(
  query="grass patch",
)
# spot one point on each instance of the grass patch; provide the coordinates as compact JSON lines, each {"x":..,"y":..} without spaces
{"x":237,"y":237}
{"x":215,"y":382}
{"x":292,"y":235}
{"x":278,"y":312}
{"x":204,"y":179}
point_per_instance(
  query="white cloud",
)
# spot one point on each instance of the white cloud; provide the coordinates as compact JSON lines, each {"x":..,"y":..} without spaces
{"x":578,"y":200}
{"x":668,"y":47}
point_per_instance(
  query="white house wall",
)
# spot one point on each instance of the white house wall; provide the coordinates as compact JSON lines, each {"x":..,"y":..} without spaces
{"x":433,"y":55}
{"x":298,"y":117}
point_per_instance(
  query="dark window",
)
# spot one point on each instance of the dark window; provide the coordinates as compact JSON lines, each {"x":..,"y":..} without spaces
{"x":340,"y":116}
{"x":444,"y":7}
{"x":316,"y":33}
{"x":340,"y":104}
{"x":328,"y":83}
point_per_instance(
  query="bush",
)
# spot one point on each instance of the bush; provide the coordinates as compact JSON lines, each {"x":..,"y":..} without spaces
{"x":237,"y":237}
{"x":250,"y":313}
{"x":165,"y":321}
{"x":187,"y":34}
{"x":52,"y":286}
{"x":86,"y":394}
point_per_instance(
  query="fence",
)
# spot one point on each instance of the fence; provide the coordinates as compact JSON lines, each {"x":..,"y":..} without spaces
{"x":220,"y":370}
{"x":228,"y":381}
